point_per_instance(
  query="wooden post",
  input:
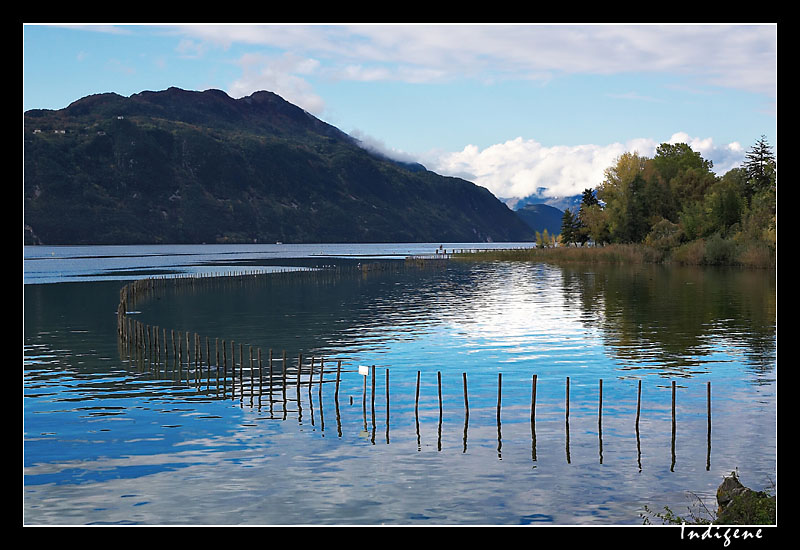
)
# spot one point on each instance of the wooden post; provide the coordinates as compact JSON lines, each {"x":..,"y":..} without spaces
{"x":270,"y":380}
{"x":638,"y":405}
{"x":533,"y":418}
{"x":260,"y":376}
{"x":224,"y":369}
{"x":241,"y":371}
{"x":283,"y":376}
{"x":299,"y":370}
{"x":672,"y":466}
{"x":600,"y":421}
{"x":208,"y":361}
{"x":311,"y":377}
{"x":600,"y":408}
{"x":708,"y":453}
{"x":569,"y":461}
{"x":372,"y":398}
{"x":439,"y":381}
{"x":321,"y":374}
{"x":416,"y":399}
{"x":499,"y":393}
{"x":250,"y":351}
{"x":338,"y":376}
{"x":188,"y":364}
{"x":466,"y":400}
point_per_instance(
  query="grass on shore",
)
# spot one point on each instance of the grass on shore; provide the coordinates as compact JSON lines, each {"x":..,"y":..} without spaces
{"x":712,"y":251}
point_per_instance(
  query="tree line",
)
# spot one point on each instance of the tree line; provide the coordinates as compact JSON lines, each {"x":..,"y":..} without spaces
{"x":675,"y":203}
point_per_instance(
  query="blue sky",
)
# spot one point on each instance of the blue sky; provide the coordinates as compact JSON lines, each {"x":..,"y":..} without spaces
{"x":513,"y":108}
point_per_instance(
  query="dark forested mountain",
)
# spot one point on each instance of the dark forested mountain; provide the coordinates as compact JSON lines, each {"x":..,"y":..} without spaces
{"x":540,"y":217}
{"x":180,"y":166}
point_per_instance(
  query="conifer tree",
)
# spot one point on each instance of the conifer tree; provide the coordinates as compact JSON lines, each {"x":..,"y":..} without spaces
{"x":760,"y":166}
{"x":568,"y":234}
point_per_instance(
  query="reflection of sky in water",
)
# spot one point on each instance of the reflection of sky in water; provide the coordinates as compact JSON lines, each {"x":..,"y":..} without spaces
{"x":106,"y":443}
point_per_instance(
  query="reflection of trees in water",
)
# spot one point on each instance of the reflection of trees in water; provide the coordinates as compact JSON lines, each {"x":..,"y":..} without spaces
{"x":678,"y":316}
{"x":659,"y":317}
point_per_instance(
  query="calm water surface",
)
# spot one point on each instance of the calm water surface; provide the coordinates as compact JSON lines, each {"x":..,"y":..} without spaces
{"x":109,"y":440}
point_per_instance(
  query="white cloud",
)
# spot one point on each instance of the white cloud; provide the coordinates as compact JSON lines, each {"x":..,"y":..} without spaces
{"x":518,"y":168}
{"x":735,"y":56}
{"x":279,"y":74}
{"x":377,"y":146}
{"x":191,"y":49}
{"x":724,"y":157}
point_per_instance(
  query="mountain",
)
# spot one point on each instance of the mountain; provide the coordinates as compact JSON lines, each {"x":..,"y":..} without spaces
{"x":178,"y":166}
{"x":571,"y":202}
{"x":540,"y":217}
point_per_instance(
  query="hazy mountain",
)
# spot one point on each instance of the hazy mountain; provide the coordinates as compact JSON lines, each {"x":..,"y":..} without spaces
{"x":540,"y":217}
{"x":179,"y":166}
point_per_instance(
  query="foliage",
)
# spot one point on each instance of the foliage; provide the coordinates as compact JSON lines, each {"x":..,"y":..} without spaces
{"x":676,"y":204}
{"x":760,"y":167}
{"x":737,"y":505}
{"x":569,"y":227}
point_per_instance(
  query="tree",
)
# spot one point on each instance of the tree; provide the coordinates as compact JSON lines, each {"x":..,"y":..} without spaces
{"x":617,"y":192}
{"x":588,"y":198}
{"x":723,"y":207}
{"x":568,"y":229}
{"x":760,"y":167}
{"x":634,"y":223}
{"x":595,"y":223}
{"x":673,"y":158}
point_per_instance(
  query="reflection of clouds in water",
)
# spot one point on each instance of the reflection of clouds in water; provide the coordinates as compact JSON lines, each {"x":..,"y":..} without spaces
{"x":521,"y":311}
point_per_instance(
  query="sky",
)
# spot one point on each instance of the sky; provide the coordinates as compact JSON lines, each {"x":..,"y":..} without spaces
{"x":520,"y":109}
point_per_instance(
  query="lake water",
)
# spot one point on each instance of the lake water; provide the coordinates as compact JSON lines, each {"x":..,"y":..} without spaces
{"x":109,"y":439}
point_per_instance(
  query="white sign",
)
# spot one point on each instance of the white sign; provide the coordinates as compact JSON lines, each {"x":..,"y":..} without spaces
{"x":363,"y":370}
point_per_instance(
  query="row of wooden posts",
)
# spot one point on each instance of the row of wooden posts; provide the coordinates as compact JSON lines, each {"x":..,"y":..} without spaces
{"x":144,"y":344}
{"x":150,"y":346}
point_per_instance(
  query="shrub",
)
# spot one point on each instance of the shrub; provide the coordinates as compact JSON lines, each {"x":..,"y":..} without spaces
{"x":720,"y":251}
{"x":664,"y":236}
{"x":691,"y":253}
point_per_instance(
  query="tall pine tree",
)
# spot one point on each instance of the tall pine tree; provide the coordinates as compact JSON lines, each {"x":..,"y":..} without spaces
{"x":760,"y":167}
{"x":568,"y":233}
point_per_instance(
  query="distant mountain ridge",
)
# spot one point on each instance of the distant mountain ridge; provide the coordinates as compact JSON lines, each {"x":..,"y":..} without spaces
{"x":540,"y":217}
{"x":178,"y":166}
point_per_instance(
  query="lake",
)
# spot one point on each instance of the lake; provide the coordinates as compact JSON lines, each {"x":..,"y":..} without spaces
{"x":444,"y":429}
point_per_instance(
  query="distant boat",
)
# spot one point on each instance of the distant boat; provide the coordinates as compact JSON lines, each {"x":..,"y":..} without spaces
{"x":278,"y":242}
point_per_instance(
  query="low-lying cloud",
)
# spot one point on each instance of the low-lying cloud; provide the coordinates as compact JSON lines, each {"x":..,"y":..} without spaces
{"x":521,"y":167}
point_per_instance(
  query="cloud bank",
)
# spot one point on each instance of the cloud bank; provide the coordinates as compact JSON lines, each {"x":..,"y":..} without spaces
{"x":742,"y":57}
{"x":521,"y":167}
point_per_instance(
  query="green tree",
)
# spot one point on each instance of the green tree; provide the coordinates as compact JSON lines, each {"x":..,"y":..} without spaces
{"x":684,"y":176}
{"x":546,"y":240}
{"x":673,"y":158}
{"x":622,"y":196}
{"x":568,"y":227}
{"x":588,"y":197}
{"x":595,"y":224}
{"x":723,"y":207}
{"x":634,"y":223}
{"x":760,"y":167}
